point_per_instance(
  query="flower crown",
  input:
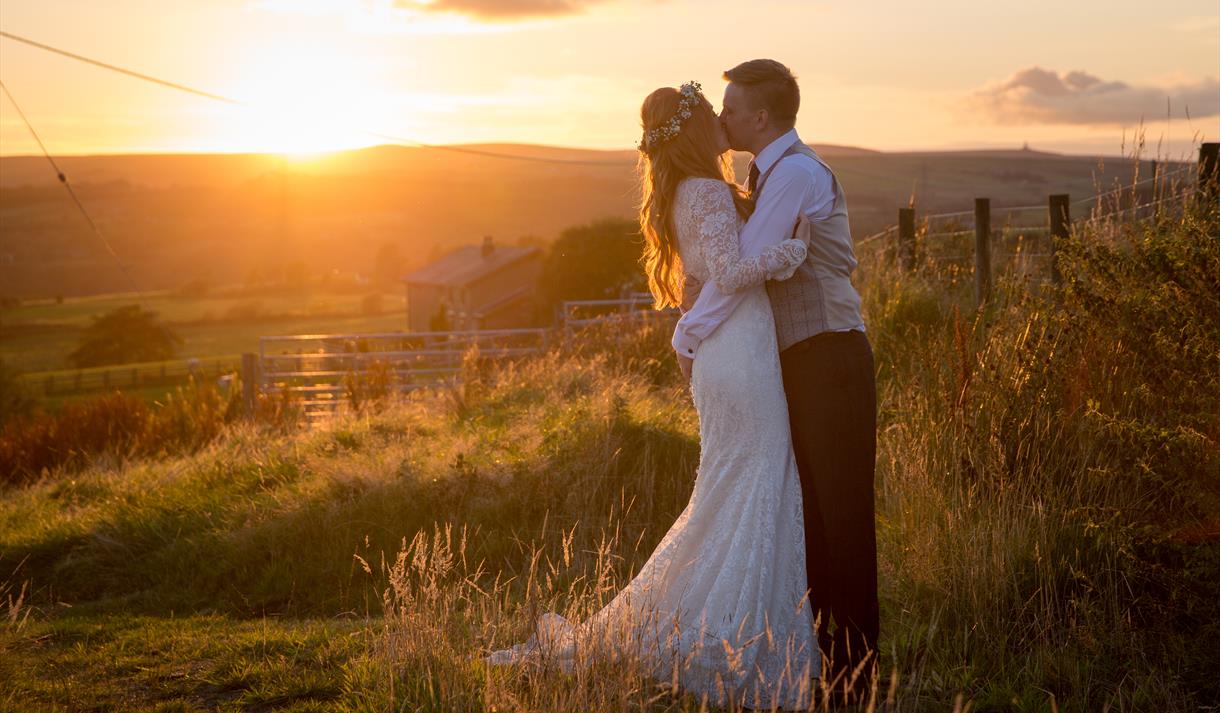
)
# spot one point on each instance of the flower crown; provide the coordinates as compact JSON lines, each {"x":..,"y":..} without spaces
{"x":690,"y":96}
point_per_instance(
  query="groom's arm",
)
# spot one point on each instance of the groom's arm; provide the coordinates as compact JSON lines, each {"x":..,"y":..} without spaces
{"x":798,"y":186}
{"x":710,"y":309}
{"x":792,"y":189}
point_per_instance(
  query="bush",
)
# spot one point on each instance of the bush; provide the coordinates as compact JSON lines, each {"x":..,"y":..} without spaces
{"x":122,"y":336}
{"x":108,"y":424}
{"x":370,"y":386}
{"x":16,"y":400}
{"x":115,"y":425}
{"x":594,"y":261}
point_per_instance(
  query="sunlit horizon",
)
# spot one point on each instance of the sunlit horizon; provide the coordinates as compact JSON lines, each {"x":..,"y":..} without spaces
{"x":321,"y":76}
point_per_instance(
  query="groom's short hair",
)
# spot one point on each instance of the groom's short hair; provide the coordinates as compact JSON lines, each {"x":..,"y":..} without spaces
{"x":772,"y":86}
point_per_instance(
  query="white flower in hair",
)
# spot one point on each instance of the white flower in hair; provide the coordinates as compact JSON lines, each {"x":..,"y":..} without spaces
{"x":690,"y":92}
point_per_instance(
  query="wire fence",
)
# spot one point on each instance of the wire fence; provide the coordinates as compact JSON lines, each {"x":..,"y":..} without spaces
{"x":176,"y":372}
{"x":632,"y":310}
{"x":1022,"y":238}
{"x":322,"y":373}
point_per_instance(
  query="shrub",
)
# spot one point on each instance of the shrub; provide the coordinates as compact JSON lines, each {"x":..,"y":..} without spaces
{"x":109,"y":424}
{"x":370,"y":386}
{"x":594,"y":261}
{"x":120,"y":425}
{"x":16,"y":400}
{"x":122,"y":336}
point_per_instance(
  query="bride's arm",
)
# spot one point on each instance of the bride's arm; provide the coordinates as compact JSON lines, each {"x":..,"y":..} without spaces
{"x":692,"y":286}
{"x":716,"y":222}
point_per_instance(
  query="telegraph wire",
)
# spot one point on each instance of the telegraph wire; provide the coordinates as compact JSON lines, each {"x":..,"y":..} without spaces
{"x":236,"y":102}
{"x":388,"y":137}
{"x":120,"y":70}
{"x":63,"y":179}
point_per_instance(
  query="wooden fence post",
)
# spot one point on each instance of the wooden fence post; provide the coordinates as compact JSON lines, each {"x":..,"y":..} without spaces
{"x":982,"y":250}
{"x":1209,"y":172}
{"x":249,"y":381}
{"x":906,"y":238}
{"x":1059,"y":207}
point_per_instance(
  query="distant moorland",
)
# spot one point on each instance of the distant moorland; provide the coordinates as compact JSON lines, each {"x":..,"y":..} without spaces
{"x":245,"y":218}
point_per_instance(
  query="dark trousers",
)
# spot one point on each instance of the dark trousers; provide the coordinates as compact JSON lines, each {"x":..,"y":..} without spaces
{"x":832,"y":405}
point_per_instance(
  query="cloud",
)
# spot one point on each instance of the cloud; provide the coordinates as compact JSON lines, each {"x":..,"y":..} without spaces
{"x":396,"y":17}
{"x":500,"y":10}
{"x":1039,"y":96}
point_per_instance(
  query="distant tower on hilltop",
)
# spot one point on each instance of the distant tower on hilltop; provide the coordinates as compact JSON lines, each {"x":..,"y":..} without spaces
{"x":1025,"y":146}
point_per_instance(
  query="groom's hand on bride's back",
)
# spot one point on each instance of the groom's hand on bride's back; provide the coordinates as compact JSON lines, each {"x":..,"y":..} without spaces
{"x":690,"y":292}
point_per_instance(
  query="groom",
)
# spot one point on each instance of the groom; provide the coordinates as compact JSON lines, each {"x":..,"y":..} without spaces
{"x":825,"y":357}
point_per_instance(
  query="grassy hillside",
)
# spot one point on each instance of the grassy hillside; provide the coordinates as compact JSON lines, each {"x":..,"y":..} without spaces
{"x":1048,"y":522}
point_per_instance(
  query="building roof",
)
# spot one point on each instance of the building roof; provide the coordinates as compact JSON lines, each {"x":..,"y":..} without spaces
{"x":507,"y":301}
{"x":467,"y":264}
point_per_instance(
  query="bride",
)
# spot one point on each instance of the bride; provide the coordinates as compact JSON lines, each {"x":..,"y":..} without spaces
{"x":720,"y":606}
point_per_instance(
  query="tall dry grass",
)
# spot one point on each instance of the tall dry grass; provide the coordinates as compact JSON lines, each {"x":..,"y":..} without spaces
{"x":1042,"y":463}
{"x":1048,"y":488}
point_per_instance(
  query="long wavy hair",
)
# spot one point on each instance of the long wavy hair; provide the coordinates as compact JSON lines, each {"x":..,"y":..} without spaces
{"x":663,"y":165}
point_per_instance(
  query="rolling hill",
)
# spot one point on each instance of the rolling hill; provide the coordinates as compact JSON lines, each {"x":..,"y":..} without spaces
{"x":225,"y":218}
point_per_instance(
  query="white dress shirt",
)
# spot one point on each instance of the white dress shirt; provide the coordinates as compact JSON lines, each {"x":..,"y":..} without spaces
{"x":798,"y":186}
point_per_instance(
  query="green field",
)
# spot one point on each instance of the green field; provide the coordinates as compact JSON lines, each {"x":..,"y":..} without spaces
{"x":37,"y":337}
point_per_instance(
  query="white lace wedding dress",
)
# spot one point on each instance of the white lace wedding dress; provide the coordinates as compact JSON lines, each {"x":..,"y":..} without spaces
{"x":720,"y":605}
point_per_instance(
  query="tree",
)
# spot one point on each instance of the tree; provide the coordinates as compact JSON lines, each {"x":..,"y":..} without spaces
{"x":387,"y":265}
{"x":594,"y":261}
{"x":124,"y":335}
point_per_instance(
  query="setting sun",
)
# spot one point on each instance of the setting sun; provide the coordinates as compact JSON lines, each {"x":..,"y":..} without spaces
{"x":573,"y":73}
{"x":302,"y":100}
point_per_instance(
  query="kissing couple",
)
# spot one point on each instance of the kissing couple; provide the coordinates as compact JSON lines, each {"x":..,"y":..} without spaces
{"x":763,"y":593}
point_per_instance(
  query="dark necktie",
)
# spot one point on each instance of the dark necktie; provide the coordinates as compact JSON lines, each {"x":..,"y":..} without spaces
{"x":752,"y":182}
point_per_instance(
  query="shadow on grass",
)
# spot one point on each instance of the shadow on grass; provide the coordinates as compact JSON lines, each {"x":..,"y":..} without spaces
{"x":239,"y":553}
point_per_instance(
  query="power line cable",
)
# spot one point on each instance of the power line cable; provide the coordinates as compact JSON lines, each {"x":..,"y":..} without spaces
{"x":63,"y":178}
{"x":237,"y":102}
{"x":121,"y":70}
{"x":407,"y":141}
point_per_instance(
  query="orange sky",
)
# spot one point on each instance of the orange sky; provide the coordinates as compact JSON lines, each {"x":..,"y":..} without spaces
{"x":884,"y":75}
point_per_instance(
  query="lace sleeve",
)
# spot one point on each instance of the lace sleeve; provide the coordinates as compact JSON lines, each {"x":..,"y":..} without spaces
{"x":716,"y":223}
